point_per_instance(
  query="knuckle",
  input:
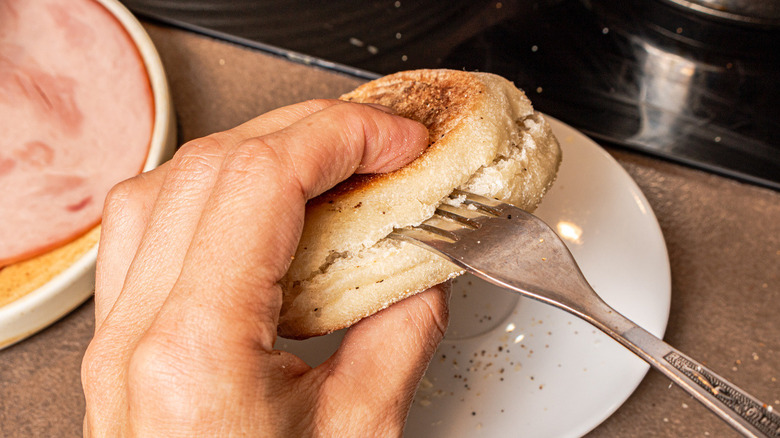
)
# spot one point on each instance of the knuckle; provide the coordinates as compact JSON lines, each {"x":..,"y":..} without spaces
{"x":123,"y":189}
{"x":256,"y":161}
{"x":359,"y":125}
{"x":160,"y":373}
{"x":90,"y":366}
{"x":351,"y":114}
{"x":252,"y":154}
{"x":209,"y":144}
{"x":152,"y":357}
{"x":153,"y":360}
{"x":196,"y":159}
{"x":96,"y":364}
{"x":119,"y":196}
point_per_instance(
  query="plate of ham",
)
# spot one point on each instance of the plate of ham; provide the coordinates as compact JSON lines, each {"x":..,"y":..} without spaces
{"x":84,"y":104}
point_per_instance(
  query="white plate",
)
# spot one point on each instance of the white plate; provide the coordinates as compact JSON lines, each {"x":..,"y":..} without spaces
{"x":511,"y":366}
{"x":35,"y":311}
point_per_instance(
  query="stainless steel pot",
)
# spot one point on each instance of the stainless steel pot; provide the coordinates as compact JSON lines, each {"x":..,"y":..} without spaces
{"x":751,"y":12}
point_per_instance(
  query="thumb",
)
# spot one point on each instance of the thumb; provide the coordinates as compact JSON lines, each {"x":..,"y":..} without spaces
{"x":383,"y":358}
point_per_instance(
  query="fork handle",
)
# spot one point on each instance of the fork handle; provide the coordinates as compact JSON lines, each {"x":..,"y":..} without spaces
{"x":740,"y":410}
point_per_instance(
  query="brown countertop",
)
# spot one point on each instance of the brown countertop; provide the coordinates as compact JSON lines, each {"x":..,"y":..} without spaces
{"x":723,"y":239}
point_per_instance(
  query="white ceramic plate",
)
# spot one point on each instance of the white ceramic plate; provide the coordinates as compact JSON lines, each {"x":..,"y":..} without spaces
{"x":35,"y":311}
{"x":511,"y":366}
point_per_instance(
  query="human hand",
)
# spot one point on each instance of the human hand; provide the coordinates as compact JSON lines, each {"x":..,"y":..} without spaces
{"x":187,"y":301}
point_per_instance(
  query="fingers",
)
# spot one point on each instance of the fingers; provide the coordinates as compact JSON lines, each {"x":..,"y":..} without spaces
{"x":126,"y":214}
{"x":151,"y":269}
{"x":199,"y":246}
{"x":383,"y":358}
{"x":328,"y":146}
{"x":157,"y":261}
{"x":252,"y":221}
{"x":148,"y":228}
{"x":131,"y":204}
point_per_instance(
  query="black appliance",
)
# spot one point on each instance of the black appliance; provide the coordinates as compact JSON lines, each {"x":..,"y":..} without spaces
{"x":693,"y":81}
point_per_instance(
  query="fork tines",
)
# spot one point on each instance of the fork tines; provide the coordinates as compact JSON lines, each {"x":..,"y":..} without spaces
{"x":490,"y":206}
{"x":449,"y":219}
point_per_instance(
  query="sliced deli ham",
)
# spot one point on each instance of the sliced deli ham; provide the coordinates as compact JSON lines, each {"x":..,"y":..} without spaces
{"x":76,"y":117}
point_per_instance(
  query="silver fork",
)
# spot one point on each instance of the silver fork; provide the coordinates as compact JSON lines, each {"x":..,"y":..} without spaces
{"x":516,"y":250}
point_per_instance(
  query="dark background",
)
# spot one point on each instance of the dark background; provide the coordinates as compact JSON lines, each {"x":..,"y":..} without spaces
{"x":646,"y":75}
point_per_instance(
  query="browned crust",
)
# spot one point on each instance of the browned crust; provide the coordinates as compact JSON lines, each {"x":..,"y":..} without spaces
{"x":438,"y":99}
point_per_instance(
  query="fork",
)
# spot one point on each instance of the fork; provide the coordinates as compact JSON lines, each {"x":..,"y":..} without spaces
{"x":513,"y":249}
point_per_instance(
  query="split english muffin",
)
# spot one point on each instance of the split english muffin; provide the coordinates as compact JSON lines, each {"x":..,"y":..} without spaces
{"x":484,"y":137}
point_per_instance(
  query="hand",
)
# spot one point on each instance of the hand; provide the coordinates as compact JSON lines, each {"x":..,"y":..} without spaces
{"x":187,"y":301}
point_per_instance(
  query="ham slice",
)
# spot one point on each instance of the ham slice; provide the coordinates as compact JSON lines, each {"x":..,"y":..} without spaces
{"x":76,"y":115}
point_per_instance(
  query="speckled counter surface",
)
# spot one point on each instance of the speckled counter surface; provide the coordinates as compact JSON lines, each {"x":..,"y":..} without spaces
{"x":723,"y":239}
